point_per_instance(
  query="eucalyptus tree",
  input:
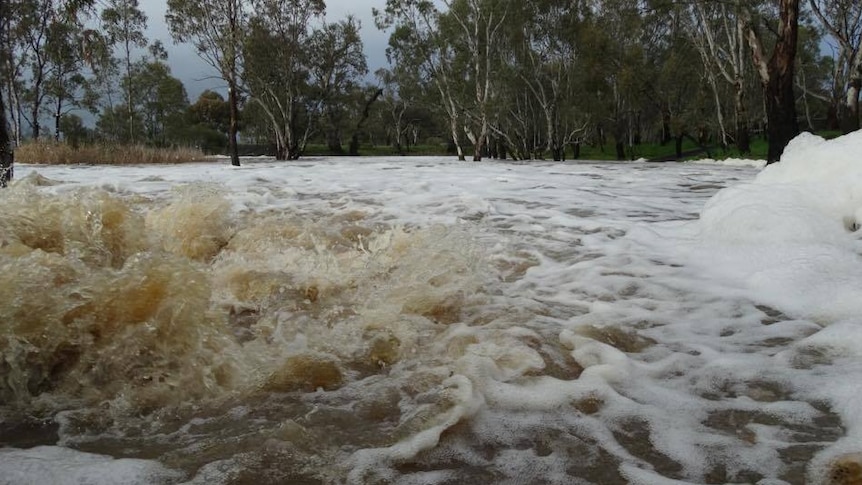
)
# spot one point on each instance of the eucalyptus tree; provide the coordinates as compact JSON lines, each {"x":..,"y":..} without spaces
{"x":543,"y":55}
{"x":620,"y":50}
{"x":67,"y":86}
{"x":718,"y":31}
{"x":406,"y":112}
{"x":337,"y":65}
{"x":73,"y":129}
{"x":842,"y":20}
{"x":776,"y":72}
{"x":13,"y":56}
{"x":46,"y":55}
{"x":6,"y":153}
{"x":162,"y":101}
{"x":208,"y":121}
{"x":37,"y":18}
{"x":418,"y":44}
{"x":518,"y":123}
{"x":681,"y":98}
{"x":819,"y":95}
{"x":474,"y":28}
{"x":53,"y":41}
{"x":396,"y":104}
{"x":124,"y":24}
{"x":277,"y":74}
{"x":216,"y":29}
{"x":31,"y":21}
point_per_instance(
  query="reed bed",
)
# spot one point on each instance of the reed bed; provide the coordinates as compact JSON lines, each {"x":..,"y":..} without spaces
{"x":56,"y":153}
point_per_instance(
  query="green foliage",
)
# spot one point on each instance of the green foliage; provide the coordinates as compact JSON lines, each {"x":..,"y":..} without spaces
{"x":303,"y":79}
{"x":507,"y":78}
{"x":208,"y":122}
{"x":73,"y":130}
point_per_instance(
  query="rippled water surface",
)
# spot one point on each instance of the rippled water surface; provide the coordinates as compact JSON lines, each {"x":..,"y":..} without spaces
{"x":398,"y":321}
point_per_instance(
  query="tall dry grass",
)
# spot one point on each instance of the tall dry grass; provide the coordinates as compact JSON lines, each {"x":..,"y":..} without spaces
{"x":54,"y":153}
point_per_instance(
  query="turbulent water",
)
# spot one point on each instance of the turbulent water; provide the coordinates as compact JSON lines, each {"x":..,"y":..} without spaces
{"x":398,"y":321}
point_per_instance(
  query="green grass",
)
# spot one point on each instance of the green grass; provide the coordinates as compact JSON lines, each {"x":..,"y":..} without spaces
{"x":648,"y":151}
{"x":317,"y":150}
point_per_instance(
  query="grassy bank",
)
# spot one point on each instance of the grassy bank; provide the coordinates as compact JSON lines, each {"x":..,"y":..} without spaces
{"x":588,"y":151}
{"x":53,"y":153}
{"x":50,"y":152}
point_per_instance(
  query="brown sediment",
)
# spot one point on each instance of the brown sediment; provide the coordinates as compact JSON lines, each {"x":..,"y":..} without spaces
{"x":516,"y":267}
{"x":625,"y":339}
{"x":446,"y":310}
{"x":634,"y":435}
{"x":558,"y":360}
{"x":305,"y":373}
{"x":384,"y":349}
{"x":589,"y":405}
{"x":846,"y":470}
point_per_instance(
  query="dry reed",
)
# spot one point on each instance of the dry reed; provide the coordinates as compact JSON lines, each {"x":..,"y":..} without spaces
{"x":55,"y":153}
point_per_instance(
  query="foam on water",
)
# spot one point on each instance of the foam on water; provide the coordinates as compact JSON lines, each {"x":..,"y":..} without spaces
{"x":425,"y":321}
{"x":50,"y":464}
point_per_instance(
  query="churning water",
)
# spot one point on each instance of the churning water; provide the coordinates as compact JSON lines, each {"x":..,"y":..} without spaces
{"x":399,"y":321}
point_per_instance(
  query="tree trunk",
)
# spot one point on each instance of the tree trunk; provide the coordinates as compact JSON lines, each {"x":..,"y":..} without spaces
{"x":743,"y":140}
{"x":37,"y":127}
{"x":280,"y":150}
{"x":776,"y":76}
{"x":6,"y":154}
{"x":234,"y":124}
{"x":621,"y":150}
{"x":366,"y":113}
{"x":576,"y":150}
{"x":781,"y":115}
{"x":333,"y":142}
{"x":58,"y":113}
{"x":852,"y":122}
{"x":678,"y":146}
{"x":130,"y":107}
{"x":453,"y":126}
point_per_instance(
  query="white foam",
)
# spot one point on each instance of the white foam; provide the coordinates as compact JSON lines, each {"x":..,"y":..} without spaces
{"x":56,"y":465}
{"x":730,"y":162}
{"x":712,"y":324}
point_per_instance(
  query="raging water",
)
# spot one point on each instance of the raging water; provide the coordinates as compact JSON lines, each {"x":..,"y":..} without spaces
{"x":387,"y":321}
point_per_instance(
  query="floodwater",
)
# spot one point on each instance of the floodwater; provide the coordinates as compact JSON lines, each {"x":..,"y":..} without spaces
{"x":387,"y":321}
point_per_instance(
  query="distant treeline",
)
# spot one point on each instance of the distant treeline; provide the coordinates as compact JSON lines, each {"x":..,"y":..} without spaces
{"x":485,"y":78}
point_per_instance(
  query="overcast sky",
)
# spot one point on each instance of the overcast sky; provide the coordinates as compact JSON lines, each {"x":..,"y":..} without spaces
{"x":198,"y":76}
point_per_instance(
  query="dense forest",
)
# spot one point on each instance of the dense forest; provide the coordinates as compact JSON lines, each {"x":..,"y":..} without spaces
{"x":480,"y":78}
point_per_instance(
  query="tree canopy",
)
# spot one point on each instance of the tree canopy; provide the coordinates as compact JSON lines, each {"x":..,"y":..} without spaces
{"x":484,"y":78}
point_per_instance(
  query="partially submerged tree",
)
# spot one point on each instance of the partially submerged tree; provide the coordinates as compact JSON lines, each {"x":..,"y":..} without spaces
{"x":124,"y":24}
{"x":216,"y":28}
{"x":473,"y":29}
{"x":776,"y":73}
{"x":418,"y":44}
{"x":32,"y":21}
{"x":6,"y":154}
{"x":337,"y":64}
{"x":277,"y":70}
